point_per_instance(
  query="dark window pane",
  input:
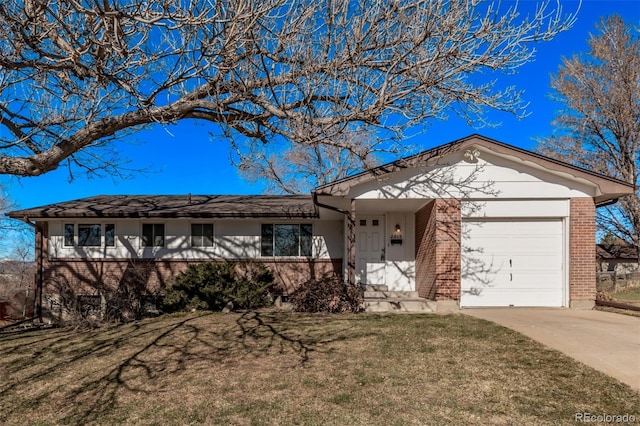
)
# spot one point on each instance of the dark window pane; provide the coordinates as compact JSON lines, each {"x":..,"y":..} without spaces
{"x":286,"y":240}
{"x":306,"y":240}
{"x":68,"y":234}
{"x":374,"y":222}
{"x":207,"y":235}
{"x":89,"y":235}
{"x":266,"y":241}
{"x":109,"y":234}
{"x":363,"y":222}
{"x":158,"y":234}
{"x":196,"y":235}
{"x":202,"y":235}
{"x":147,"y":234}
{"x":153,"y":234}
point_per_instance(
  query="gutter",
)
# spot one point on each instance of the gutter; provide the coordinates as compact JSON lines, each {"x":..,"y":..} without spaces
{"x":607,"y":203}
{"x":40,"y":265}
{"x":327,"y":206}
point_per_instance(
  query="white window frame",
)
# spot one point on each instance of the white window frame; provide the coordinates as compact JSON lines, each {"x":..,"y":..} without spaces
{"x":273,"y":241}
{"x":213,"y":235}
{"x":153,"y":245}
{"x":75,"y":238}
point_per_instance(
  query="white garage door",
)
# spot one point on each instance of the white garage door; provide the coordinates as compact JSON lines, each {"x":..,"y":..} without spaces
{"x":512,"y":263}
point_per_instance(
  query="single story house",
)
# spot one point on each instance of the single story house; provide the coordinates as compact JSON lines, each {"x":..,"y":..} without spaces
{"x":472,"y":223}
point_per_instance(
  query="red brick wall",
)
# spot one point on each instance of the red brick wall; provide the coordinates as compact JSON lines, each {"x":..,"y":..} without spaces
{"x":425,"y":252}
{"x":70,"y":277}
{"x":582,"y":250}
{"x":438,"y":250}
{"x":95,"y":276}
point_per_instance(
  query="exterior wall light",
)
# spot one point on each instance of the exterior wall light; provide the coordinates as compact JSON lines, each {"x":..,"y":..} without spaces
{"x":396,"y":237}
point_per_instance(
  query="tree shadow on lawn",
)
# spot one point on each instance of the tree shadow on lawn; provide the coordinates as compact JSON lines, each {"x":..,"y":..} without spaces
{"x":84,"y":376}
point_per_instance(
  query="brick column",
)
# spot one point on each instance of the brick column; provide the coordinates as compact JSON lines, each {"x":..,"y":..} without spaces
{"x":582,"y":253}
{"x":425,"y":252}
{"x":448,"y":249}
{"x":438,"y":250}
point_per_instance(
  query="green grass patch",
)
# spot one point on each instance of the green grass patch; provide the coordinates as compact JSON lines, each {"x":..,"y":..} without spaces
{"x":285,"y":368}
{"x":628,"y":294}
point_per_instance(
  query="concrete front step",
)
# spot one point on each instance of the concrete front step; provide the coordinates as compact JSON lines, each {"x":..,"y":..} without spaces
{"x":390,"y":294}
{"x":397,"y":304}
{"x":376,"y":287}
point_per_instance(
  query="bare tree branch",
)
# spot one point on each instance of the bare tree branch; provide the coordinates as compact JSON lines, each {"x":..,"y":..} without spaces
{"x":600,"y":126}
{"x":75,"y":75}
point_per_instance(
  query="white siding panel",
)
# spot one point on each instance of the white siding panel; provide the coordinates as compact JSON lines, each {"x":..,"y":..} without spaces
{"x":233,"y":239}
{"x":515,"y":208}
{"x":328,"y":239}
{"x":491,"y":177}
{"x":400,"y":275}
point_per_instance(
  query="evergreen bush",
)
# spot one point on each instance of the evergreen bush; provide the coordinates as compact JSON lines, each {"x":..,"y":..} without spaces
{"x":212,"y":285}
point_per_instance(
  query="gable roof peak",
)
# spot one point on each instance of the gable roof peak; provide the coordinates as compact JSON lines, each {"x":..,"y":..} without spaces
{"x":609,"y":188}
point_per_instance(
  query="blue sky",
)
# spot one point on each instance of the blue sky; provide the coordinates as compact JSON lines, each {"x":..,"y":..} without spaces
{"x":183,"y":159}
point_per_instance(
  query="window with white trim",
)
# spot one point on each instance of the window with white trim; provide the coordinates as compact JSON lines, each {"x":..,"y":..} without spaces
{"x":153,"y":234}
{"x":286,"y":239}
{"x":202,"y":235}
{"x":89,"y":234}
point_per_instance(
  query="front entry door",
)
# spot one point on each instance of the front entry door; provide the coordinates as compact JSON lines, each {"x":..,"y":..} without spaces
{"x":370,"y":253}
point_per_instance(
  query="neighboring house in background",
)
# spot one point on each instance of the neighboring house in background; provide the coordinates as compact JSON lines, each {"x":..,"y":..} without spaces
{"x":617,"y":265}
{"x":621,"y":257}
{"x":471,"y":223}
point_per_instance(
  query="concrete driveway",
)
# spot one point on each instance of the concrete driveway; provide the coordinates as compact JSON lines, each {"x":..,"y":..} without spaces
{"x":605,"y":341}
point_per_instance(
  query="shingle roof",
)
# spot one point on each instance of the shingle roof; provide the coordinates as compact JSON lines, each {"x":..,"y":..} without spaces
{"x":170,"y":206}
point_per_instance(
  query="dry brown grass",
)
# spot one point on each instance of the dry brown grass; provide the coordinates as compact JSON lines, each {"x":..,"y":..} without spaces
{"x":284,"y":368}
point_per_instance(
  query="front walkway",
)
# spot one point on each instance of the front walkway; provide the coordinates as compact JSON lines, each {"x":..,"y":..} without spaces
{"x":605,"y":341}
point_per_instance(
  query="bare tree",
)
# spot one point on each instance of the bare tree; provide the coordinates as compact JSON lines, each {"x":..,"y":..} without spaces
{"x":600,"y":127}
{"x":6,"y":225}
{"x":77,"y":74}
{"x":292,"y":168}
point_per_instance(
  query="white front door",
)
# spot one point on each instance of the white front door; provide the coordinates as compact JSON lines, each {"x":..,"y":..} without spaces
{"x":370,"y":250}
{"x":512,"y":263}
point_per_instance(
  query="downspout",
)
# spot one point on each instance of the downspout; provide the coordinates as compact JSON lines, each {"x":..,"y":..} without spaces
{"x":40,"y":266}
{"x":347,"y":213}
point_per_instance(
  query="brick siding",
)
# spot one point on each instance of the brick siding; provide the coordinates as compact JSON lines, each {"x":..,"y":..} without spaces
{"x":95,"y":275}
{"x":438,"y":250}
{"x":582,"y":250}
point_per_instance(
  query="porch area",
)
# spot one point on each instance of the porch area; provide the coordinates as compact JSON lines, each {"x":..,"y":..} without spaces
{"x":405,"y":254}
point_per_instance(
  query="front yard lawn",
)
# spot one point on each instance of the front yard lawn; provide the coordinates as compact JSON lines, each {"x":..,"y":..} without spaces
{"x":272,"y":367}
